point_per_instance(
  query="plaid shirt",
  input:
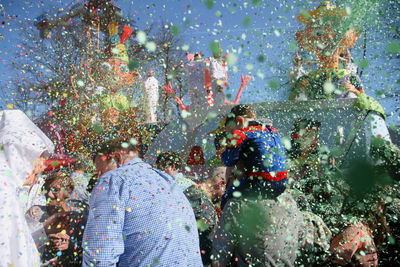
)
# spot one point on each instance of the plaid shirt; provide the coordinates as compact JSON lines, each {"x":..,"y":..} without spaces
{"x":137,"y":218}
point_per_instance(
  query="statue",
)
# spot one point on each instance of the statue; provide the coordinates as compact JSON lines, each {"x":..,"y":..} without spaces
{"x":326,"y":38}
{"x":150,"y":97}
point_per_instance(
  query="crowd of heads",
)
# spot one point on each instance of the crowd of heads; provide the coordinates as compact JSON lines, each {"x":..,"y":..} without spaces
{"x":316,"y":196}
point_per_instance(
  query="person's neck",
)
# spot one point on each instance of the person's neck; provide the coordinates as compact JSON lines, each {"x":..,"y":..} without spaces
{"x":172,"y":173}
{"x":129,"y":157}
{"x":251,"y":122}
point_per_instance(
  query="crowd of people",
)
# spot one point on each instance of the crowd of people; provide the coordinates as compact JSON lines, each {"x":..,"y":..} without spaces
{"x":265,"y":205}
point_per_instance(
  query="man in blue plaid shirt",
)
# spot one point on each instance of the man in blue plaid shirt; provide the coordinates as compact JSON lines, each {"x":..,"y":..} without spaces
{"x":138,"y":217}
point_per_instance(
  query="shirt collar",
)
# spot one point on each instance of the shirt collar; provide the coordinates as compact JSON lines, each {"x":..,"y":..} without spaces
{"x":133,"y":161}
{"x":182,"y":181}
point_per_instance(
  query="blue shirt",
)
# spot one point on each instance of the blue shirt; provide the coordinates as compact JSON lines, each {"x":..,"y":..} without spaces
{"x":182,"y":181}
{"x":260,"y":149}
{"x":139,"y":217}
{"x":262,"y":154}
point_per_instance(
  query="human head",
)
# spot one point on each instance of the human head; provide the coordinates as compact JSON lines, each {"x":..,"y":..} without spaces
{"x":58,"y":187}
{"x":150,"y":72}
{"x":325,"y":34}
{"x":297,"y":60}
{"x":305,"y":137}
{"x":169,"y":162}
{"x":215,"y":184}
{"x":239,"y":116}
{"x":114,"y":153}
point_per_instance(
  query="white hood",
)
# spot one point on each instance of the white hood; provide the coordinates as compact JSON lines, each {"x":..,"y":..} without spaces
{"x":21,"y":144}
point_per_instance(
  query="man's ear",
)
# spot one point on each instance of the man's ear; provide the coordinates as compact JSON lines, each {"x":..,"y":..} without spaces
{"x":173,"y":167}
{"x":117,"y":156}
{"x":240,"y":120}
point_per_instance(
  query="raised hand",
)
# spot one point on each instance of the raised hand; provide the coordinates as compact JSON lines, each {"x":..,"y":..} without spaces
{"x":350,"y":88}
{"x":59,"y":241}
{"x":168,"y":89}
{"x":244,"y":80}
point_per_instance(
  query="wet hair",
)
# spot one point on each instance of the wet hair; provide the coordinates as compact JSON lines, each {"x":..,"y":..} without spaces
{"x":168,"y":159}
{"x":115,"y":145}
{"x":243,"y":110}
{"x":219,"y":138}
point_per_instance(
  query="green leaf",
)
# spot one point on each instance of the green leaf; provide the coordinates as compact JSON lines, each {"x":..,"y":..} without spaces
{"x":246,"y":21}
{"x":209,"y":4}
{"x":293,"y":47}
{"x":393,"y":47}
{"x":175,"y":30}
{"x":273,"y":84}
{"x":261,"y":58}
{"x":215,"y":48}
{"x":97,"y":128}
{"x":133,"y":65}
{"x":364,"y":63}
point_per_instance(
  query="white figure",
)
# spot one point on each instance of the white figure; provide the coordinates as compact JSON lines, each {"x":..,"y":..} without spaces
{"x":151,"y":97}
{"x":22,"y":144}
{"x":219,"y":79}
{"x":296,"y":71}
{"x":206,"y":80}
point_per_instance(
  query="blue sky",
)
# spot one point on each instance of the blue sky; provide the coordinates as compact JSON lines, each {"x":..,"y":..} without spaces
{"x":243,"y":28}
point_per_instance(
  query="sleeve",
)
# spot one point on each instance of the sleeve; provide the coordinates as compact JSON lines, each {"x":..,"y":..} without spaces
{"x":203,"y":208}
{"x":233,"y":148}
{"x":366,"y":102}
{"x":231,"y":156}
{"x":103,"y":240}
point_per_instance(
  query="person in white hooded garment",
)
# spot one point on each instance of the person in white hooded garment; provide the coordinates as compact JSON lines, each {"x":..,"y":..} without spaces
{"x":22,"y":146}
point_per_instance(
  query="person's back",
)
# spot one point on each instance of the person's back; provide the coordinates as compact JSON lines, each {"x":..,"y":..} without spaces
{"x":204,"y":210}
{"x":258,"y":232}
{"x":260,"y":151}
{"x":147,"y":222}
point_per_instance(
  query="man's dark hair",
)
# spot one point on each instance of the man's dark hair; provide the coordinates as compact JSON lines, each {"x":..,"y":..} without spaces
{"x":219,"y":138}
{"x":306,"y":124}
{"x":169,"y":158}
{"x":115,"y":145}
{"x":295,"y":151}
{"x":243,"y":110}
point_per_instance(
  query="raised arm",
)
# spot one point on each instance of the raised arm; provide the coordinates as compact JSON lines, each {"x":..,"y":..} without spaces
{"x":244,"y":80}
{"x":170,"y":91}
